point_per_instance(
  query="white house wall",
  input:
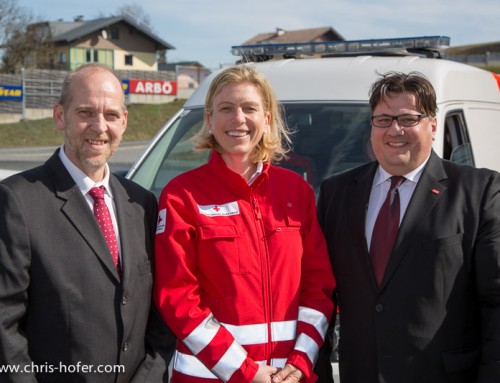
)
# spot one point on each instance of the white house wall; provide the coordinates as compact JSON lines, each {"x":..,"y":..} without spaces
{"x":141,"y":61}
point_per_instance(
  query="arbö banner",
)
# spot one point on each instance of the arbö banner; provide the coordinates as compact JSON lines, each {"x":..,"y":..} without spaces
{"x":157,"y":87}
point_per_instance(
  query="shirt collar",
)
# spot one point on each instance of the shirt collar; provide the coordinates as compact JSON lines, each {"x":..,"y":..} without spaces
{"x":84,"y":182}
{"x":260,"y":167}
{"x":381,"y":176}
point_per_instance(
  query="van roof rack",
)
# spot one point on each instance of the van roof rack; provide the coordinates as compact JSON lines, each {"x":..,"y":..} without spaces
{"x":427,"y":46}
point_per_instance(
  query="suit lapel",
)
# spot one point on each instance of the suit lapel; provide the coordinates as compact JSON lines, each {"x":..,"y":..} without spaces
{"x":124,"y":216}
{"x":76,"y":210}
{"x":426,"y":195}
{"x":359,"y":197}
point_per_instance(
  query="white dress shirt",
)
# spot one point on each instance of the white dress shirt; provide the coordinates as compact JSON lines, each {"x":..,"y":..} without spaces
{"x":380,"y":187}
{"x":85,"y":183}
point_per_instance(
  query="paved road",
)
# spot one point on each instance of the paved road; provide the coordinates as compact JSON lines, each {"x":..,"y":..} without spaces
{"x":17,"y":159}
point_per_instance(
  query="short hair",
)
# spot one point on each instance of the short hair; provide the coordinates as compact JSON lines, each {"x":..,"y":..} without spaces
{"x":275,"y":142}
{"x":414,"y":82}
{"x":93,"y":67}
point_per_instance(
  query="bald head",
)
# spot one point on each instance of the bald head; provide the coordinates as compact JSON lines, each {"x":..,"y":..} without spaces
{"x":83,"y":72}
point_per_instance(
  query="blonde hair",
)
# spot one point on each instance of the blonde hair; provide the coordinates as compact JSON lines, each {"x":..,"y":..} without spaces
{"x":275,"y":142}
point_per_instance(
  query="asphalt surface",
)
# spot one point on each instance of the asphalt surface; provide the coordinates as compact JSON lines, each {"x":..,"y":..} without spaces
{"x":13,"y":160}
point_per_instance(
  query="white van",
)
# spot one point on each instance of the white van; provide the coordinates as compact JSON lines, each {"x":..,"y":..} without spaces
{"x":326,"y":100}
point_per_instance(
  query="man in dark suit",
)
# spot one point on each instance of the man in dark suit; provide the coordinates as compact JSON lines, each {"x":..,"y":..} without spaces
{"x":69,"y":312}
{"x":431,"y":311}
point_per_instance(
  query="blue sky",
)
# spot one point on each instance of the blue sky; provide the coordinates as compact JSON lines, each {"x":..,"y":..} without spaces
{"x":204,"y":31}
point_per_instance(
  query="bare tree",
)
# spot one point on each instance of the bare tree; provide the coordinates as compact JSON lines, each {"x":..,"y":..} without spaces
{"x":12,"y":18}
{"x":140,"y":17}
{"x":136,"y":12}
{"x":19,"y":39}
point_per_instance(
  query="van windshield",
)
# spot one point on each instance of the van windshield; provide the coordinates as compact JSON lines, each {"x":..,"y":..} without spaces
{"x":328,"y":138}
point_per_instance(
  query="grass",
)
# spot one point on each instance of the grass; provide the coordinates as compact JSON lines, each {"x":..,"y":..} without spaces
{"x":144,"y":121}
{"x":495,"y":69}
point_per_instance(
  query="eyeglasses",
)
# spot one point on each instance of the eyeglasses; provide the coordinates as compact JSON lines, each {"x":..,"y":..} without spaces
{"x":404,"y":120}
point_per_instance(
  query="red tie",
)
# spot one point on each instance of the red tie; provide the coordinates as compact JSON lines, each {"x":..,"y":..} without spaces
{"x":385,"y":230}
{"x":103,"y":217}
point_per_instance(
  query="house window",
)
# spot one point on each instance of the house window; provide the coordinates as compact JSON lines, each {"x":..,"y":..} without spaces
{"x":129,"y":60}
{"x":78,"y":56}
{"x":62,"y":58}
{"x":91,"y":56}
{"x":115,"y":33}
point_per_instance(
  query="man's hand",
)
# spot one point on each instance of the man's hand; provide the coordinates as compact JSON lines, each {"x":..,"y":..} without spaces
{"x":289,"y":374}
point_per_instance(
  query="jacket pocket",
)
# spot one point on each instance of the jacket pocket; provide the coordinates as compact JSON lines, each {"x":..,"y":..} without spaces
{"x":220,"y":246}
{"x":289,"y":225}
{"x":144,"y":268}
{"x":463,"y":363}
{"x":286,"y":238}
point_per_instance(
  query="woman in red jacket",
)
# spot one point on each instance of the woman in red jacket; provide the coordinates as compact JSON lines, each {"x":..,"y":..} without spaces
{"x":242,"y":272}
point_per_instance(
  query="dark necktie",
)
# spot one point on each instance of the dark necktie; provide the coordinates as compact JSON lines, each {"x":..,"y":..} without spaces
{"x":385,"y":230}
{"x":103,"y":218}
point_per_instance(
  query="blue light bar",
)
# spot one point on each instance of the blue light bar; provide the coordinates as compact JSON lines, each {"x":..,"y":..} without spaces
{"x":344,"y":46}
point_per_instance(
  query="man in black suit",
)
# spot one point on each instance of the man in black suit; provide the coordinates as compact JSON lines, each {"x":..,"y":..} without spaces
{"x":431,"y":311}
{"x":69,"y":311}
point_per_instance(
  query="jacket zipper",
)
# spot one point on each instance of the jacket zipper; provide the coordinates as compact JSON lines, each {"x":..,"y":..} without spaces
{"x":266,"y":275}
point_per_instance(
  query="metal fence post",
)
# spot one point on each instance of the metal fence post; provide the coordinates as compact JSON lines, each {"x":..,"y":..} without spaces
{"x":23,"y":84}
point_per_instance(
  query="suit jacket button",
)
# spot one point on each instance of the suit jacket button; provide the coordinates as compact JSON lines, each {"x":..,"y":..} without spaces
{"x":124,"y":300}
{"x":125,"y":346}
{"x":379,"y":308}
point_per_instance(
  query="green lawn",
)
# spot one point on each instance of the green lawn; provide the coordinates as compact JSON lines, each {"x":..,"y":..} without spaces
{"x":144,"y":121}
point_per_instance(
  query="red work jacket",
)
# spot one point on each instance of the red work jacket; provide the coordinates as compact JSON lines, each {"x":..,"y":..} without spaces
{"x":242,"y":273}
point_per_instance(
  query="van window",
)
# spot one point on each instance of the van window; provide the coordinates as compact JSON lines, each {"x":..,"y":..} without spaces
{"x":172,"y":153}
{"x":457,"y":146}
{"x":328,"y":138}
